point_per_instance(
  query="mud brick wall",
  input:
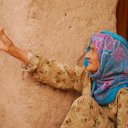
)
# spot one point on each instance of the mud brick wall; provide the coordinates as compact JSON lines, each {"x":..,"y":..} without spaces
{"x":58,"y":29}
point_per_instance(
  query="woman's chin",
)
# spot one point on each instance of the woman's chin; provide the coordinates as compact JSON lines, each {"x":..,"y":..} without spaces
{"x":90,"y":69}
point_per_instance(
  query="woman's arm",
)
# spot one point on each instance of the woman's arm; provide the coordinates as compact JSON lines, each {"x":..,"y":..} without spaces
{"x":44,"y":70}
{"x":122,"y":108}
{"x":56,"y":74}
{"x":8,"y":46}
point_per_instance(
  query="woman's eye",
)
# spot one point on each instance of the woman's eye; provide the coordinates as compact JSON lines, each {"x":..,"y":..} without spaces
{"x":92,"y":49}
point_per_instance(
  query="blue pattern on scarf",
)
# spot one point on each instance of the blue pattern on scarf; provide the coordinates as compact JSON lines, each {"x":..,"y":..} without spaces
{"x":112,"y":74}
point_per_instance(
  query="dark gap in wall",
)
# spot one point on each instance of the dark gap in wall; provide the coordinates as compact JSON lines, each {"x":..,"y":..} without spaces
{"x":122,"y":18}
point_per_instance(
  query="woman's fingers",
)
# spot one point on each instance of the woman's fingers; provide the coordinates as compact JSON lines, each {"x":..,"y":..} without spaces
{"x":4,"y":44}
{"x":1,"y":30}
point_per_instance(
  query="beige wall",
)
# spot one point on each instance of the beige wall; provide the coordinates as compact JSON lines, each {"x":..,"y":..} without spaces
{"x":58,"y":29}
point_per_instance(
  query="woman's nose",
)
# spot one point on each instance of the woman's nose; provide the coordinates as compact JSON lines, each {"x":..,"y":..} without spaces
{"x":86,"y":55}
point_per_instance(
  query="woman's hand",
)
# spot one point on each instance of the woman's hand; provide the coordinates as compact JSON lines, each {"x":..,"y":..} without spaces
{"x":5,"y":42}
{"x":7,"y":45}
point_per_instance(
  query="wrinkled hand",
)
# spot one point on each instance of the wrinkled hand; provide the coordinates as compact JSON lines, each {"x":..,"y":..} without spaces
{"x":7,"y":45}
{"x":5,"y":42}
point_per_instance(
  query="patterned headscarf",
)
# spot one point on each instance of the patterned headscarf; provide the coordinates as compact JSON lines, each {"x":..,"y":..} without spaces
{"x":112,"y":74}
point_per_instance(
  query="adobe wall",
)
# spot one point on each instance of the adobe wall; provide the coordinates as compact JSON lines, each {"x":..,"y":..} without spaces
{"x":58,"y":29}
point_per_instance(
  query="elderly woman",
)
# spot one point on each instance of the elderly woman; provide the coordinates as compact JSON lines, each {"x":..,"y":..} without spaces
{"x":103,"y":80}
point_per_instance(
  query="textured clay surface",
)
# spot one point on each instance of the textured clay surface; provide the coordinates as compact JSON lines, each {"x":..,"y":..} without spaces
{"x":56,"y":29}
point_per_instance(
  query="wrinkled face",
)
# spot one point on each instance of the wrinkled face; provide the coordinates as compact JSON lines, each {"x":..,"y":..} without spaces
{"x":93,"y":62}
